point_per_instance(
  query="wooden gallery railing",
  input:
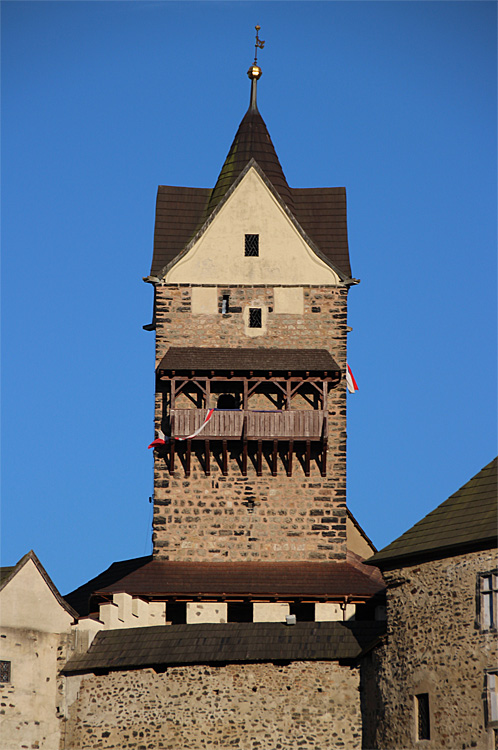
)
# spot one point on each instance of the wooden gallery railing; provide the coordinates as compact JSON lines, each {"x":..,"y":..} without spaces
{"x":244,"y":425}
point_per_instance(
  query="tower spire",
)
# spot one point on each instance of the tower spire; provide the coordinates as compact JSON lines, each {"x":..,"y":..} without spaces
{"x":255,"y":71}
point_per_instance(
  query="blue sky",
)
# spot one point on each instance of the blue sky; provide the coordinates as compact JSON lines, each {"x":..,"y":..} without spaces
{"x":103,"y":101}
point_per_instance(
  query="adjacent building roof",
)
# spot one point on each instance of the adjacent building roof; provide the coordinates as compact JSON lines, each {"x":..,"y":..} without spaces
{"x":243,"y":360}
{"x":249,"y":580}
{"x":79,"y":599}
{"x":230,"y":642}
{"x":181,"y":212}
{"x":467,"y":520}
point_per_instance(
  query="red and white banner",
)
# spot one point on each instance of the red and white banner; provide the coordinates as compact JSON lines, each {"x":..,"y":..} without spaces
{"x":162,"y":438}
{"x":350,"y":381}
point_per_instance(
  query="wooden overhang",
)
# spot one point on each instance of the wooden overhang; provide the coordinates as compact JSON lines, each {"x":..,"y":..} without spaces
{"x":225,"y":362}
{"x":286,"y":371}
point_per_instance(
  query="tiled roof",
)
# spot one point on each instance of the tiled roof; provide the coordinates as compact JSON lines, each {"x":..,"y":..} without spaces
{"x":252,"y":141}
{"x":134,"y":648}
{"x":181,"y":211}
{"x":466,"y":520}
{"x":250,"y":580}
{"x":5,"y":573}
{"x":276,"y":360}
{"x":79,"y":599}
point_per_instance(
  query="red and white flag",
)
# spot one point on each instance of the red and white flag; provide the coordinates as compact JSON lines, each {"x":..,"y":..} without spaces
{"x":350,"y":381}
{"x":162,"y":439}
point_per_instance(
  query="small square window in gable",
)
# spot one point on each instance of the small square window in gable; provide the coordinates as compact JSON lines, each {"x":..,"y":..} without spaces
{"x":255,"y":318}
{"x":251,"y":245}
{"x":4,"y":671}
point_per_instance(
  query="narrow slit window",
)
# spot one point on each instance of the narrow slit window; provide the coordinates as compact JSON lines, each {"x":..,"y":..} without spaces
{"x":4,"y":671}
{"x":254,"y":317}
{"x":251,"y":247}
{"x":225,"y":304}
{"x":489,"y":601}
{"x":492,"y":697}
{"x":423,"y":717}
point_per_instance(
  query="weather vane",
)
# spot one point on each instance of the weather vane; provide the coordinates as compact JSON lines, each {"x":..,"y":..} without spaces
{"x":259,"y":43}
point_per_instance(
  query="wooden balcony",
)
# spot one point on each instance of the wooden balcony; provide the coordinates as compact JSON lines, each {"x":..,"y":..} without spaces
{"x":249,"y":425}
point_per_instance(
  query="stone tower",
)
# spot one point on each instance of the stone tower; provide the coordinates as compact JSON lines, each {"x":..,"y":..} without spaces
{"x":251,"y":280}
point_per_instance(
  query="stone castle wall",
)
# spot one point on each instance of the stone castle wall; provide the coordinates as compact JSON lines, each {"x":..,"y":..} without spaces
{"x":242,"y":518}
{"x":434,"y":645}
{"x":308,"y":705}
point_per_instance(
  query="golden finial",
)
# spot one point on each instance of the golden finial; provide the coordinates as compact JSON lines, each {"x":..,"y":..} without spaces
{"x":255,"y":71}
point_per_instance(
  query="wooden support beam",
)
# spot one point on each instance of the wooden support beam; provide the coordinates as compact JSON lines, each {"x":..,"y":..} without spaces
{"x":172,"y":456}
{"x":244,"y":445}
{"x":324,"y":458}
{"x":244,"y":458}
{"x":225,"y":458}
{"x":259,"y":464}
{"x":189,"y":457}
{"x":207,"y":454}
{"x":288,"y":395}
{"x":289,"y":458}
{"x":274,"y":459}
{"x":307,"y":459}
{"x":173,"y":393}
{"x":207,"y":393}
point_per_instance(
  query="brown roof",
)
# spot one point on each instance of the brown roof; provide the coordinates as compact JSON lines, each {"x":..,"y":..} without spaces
{"x":274,"y":360}
{"x":320,"y":212}
{"x":252,"y":141}
{"x":467,"y":520}
{"x":250,"y":580}
{"x":79,"y":599}
{"x":134,"y":648}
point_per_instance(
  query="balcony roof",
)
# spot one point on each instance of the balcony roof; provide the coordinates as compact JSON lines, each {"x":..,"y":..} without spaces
{"x":244,"y":360}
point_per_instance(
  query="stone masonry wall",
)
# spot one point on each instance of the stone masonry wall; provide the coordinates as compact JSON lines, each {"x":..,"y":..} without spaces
{"x":244,"y":518}
{"x":308,"y":705}
{"x":434,"y":646}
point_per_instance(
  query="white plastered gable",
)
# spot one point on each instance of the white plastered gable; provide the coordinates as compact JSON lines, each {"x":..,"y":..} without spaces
{"x":217,"y":255}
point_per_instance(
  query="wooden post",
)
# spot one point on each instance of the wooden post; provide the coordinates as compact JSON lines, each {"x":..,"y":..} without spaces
{"x":208,"y":393}
{"x":307,"y":459}
{"x":274,"y":459}
{"x":324,"y":457}
{"x":225,"y":458}
{"x":289,"y":458}
{"x":173,"y":393}
{"x":244,"y":446}
{"x":208,"y":457}
{"x":244,"y":397}
{"x":172,"y":456}
{"x":288,"y":395}
{"x":259,"y":465}
{"x":189,"y":455}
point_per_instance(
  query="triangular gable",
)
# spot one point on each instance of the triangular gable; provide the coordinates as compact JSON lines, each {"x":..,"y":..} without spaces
{"x":25,"y":601}
{"x":252,"y":205}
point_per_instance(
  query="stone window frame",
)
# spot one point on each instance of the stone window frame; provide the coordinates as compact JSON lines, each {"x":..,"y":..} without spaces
{"x":5,"y":671}
{"x":487,"y":601}
{"x":423,"y":723}
{"x":491,"y":697}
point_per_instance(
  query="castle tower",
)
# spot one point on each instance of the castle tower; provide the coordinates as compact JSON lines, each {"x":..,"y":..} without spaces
{"x":250,"y":310}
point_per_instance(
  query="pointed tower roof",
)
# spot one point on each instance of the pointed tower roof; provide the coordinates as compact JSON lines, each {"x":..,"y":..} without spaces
{"x":252,"y":141}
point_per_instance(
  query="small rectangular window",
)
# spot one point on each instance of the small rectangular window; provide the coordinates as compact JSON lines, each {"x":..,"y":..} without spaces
{"x":254,"y":317}
{"x":251,"y":245}
{"x":225,"y":304}
{"x":423,"y":717}
{"x":4,"y":671}
{"x":488,"y":600}
{"x":492,"y":697}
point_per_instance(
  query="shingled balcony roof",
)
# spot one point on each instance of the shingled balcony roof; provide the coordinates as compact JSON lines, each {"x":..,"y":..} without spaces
{"x":158,"y":646}
{"x":243,"y":360}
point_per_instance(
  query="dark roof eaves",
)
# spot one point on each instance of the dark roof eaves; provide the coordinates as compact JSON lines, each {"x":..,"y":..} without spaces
{"x":344,"y":279}
{"x":428,"y":555}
